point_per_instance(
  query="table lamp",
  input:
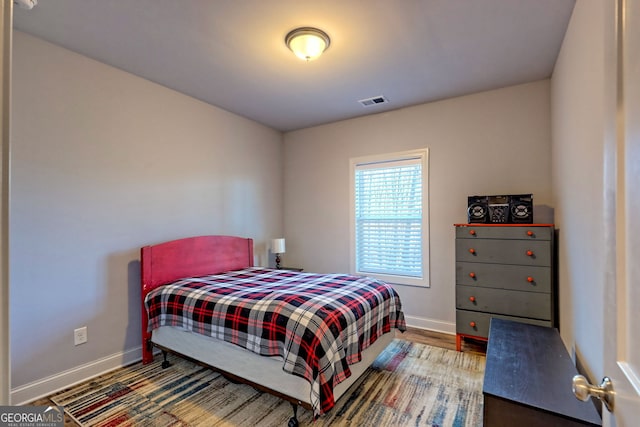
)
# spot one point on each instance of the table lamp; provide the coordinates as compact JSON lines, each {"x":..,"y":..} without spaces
{"x":277,"y":247}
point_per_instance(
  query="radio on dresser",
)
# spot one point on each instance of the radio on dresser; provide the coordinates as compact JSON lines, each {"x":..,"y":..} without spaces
{"x":500,"y":209}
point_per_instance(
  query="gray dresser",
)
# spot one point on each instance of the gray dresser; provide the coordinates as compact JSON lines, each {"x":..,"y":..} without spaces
{"x":503,"y":271}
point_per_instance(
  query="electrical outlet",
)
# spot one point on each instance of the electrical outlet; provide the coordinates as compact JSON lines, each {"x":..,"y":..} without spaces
{"x":80,"y":336}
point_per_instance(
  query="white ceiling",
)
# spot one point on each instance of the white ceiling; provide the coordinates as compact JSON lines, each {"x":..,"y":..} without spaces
{"x":231,"y":53}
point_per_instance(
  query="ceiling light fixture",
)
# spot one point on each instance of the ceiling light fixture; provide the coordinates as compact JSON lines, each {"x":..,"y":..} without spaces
{"x":307,"y":43}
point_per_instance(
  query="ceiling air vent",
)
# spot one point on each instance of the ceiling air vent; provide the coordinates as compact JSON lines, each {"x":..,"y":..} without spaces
{"x":376,"y":100}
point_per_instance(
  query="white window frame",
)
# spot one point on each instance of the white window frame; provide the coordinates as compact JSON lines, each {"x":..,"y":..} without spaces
{"x":423,"y":156}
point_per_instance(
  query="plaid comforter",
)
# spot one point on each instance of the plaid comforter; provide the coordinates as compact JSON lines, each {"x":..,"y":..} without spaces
{"x":317,"y":323}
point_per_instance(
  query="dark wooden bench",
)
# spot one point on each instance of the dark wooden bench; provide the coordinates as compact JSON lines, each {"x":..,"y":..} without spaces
{"x":527,"y":380}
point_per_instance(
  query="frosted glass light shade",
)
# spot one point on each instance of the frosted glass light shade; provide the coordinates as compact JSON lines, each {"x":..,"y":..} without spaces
{"x":277,"y":246}
{"x":307,"y":43}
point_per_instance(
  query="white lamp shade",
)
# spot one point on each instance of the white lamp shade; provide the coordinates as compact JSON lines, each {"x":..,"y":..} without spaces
{"x":307,"y":46}
{"x":278,"y":246}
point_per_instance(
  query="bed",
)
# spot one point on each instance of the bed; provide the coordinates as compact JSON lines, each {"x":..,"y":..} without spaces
{"x":303,"y":337}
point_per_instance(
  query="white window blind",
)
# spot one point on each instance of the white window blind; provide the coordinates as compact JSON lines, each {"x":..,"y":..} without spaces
{"x":389,"y":217}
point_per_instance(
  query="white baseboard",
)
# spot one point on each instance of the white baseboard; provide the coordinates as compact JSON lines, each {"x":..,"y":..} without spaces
{"x":46,"y":386}
{"x":431,"y":324}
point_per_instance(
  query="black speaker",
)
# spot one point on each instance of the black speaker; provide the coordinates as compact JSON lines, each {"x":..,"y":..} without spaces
{"x":521,"y":209}
{"x":477,"y":209}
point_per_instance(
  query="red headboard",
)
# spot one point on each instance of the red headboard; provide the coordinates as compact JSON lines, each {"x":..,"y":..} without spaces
{"x":190,"y":257}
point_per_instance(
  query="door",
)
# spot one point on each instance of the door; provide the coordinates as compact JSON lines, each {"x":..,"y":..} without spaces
{"x":621,"y":354}
{"x":6,"y":10}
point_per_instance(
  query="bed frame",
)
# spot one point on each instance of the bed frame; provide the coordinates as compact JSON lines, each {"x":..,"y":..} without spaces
{"x":199,"y":256}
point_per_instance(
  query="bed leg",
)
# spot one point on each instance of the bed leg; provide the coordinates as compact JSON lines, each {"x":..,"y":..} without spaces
{"x":165,"y":362}
{"x":293,"y":421}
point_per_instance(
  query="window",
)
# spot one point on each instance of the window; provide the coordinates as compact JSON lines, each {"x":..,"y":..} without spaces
{"x":389,"y":217}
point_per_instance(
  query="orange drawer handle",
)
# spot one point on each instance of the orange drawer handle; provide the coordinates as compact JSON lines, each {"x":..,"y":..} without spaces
{"x":472,"y":275}
{"x":529,"y":253}
{"x":472,"y":232}
{"x":472,"y":251}
{"x":529,"y":233}
{"x":472,"y":324}
{"x":472,"y":299}
{"x":530,"y":279}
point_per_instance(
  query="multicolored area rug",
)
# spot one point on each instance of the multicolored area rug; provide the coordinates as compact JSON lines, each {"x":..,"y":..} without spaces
{"x":408,"y":385}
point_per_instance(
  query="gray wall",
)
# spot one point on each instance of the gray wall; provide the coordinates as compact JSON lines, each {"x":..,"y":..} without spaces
{"x":496,"y":142}
{"x":104,"y":162}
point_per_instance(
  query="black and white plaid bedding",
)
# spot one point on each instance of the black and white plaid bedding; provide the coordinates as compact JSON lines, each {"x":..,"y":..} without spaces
{"x":318,"y":323}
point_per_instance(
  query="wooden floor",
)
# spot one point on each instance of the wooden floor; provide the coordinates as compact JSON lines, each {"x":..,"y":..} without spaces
{"x":435,"y":339}
{"x":438,"y":339}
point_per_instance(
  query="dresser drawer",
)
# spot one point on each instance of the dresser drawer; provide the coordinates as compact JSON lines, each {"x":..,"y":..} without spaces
{"x":476,"y":323}
{"x":517,"y":277}
{"x":518,"y":252}
{"x":501,"y":301}
{"x":509,"y":232}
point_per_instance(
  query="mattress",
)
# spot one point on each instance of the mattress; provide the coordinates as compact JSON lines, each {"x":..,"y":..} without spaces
{"x":315,"y":325}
